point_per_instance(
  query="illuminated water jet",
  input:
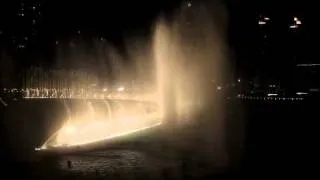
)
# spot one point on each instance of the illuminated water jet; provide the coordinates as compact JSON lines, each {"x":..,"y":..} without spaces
{"x":82,"y":131}
{"x":67,"y":109}
{"x":110,"y":115}
{"x":91,"y":111}
{"x":186,"y":57}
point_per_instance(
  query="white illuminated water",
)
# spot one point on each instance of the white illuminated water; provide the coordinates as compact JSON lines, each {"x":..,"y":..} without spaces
{"x":185,"y":61}
{"x":94,"y":126}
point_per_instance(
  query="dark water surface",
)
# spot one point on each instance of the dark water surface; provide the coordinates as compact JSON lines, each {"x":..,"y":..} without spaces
{"x":260,"y":137}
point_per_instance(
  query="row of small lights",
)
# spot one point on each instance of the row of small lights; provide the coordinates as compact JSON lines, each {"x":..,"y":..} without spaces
{"x":94,"y":96}
{"x":268,"y":98}
{"x":115,"y":97}
{"x":297,"y":22}
{"x":119,"y":89}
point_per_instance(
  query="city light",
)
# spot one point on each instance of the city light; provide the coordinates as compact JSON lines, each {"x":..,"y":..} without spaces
{"x":301,"y":93}
{"x":296,"y":23}
{"x":268,"y":98}
{"x":272,"y":94}
{"x":308,"y":65}
{"x":293,"y":26}
{"x":262,"y":22}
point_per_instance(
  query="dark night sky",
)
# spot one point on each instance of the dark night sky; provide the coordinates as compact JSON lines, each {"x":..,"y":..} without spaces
{"x":60,"y":20}
{"x":116,"y":19}
{"x":109,"y":18}
{"x":118,"y":15}
{"x":114,"y":15}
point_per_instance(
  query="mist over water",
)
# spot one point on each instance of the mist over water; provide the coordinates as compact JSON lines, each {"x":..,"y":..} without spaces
{"x":191,"y":59}
{"x":183,"y":62}
{"x":181,"y":65}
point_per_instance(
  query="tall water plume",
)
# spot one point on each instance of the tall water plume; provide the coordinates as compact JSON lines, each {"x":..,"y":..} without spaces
{"x":190,"y":54}
{"x":187,"y":60}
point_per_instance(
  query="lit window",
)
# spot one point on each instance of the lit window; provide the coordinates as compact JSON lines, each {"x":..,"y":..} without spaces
{"x":21,"y":46}
{"x":293,"y":26}
{"x":262,"y":22}
{"x":297,"y":22}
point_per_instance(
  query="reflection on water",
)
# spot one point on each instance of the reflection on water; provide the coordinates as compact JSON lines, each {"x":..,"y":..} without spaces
{"x":123,"y":163}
